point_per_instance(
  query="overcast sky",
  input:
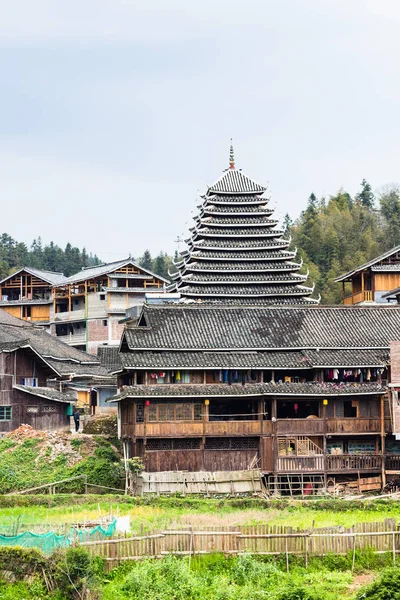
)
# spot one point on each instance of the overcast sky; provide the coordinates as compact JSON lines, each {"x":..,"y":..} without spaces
{"x":115,"y":114}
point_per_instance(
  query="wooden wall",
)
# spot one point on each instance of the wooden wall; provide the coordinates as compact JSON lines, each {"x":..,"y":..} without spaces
{"x":198,"y":460}
{"x":40,"y":413}
{"x":384,"y":282}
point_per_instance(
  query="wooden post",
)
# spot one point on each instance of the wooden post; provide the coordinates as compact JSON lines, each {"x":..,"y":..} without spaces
{"x":382,"y":415}
{"x":354,"y":552}
{"x":394,"y":548}
{"x":287,"y":554}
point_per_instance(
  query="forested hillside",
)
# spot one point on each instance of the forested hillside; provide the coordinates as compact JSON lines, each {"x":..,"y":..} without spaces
{"x":332,"y":235}
{"x":14,"y":255}
{"x":335,"y":234}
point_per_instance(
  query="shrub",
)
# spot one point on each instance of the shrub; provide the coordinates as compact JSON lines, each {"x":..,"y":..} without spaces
{"x":386,"y":588}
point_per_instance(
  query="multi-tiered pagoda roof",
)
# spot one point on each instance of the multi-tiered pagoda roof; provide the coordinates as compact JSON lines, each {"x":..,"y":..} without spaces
{"x":236,"y":252}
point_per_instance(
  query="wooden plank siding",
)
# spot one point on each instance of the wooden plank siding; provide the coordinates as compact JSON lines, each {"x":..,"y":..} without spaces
{"x":198,"y":460}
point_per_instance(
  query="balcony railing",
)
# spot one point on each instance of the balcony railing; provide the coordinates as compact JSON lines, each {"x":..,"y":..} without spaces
{"x":299,"y":426}
{"x":74,"y":315}
{"x":73,"y":339}
{"x":348,"y":425}
{"x":293,"y":464}
{"x":365,"y":296}
{"x":197,"y":428}
{"x":353,"y":462}
{"x":392,"y":462}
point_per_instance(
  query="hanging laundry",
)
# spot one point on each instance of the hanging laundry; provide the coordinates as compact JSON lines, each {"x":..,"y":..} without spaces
{"x":335,"y":374}
{"x":178,"y":376}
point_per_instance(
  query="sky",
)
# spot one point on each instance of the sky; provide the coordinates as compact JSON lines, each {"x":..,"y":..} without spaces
{"x":117,"y":114}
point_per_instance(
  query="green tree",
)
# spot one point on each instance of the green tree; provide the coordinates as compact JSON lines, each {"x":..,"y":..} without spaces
{"x":146,"y":261}
{"x":366,"y":196}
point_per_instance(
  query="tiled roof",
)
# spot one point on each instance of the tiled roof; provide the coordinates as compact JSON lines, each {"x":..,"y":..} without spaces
{"x":109,"y":357}
{"x":257,"y":389}
{"x":215,"y":221}
{"x":218,"y":267}
{"x":294,"y":359}
{"x":47,"y":393}
{"x":242,"y":289}
{"x":370,"y":263}
{"x":50,"y":277}
{"x":125,"y":290}
{"x":243,"y":278}
{"x":67,"y":367}
{"x":248,"y":235}
{"x":238,"y":244}
{"x":24,"y":302}
{"x":391,"y":268}
{"x":246,"y":327}
{"x":234,"y":181}
{"x":247,"y":232}
{"x":244,"y":199}
{"x":105,"y":269}
{"x":391,"y":293}
{"x":64,"y":358}
{"x":207,"y":255}
{"x":229,"y":209}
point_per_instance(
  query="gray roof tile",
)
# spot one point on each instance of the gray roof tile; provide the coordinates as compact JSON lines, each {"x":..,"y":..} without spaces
{"x":306,"y":359}
{"x":227,"y":327}
{"x":259,"y":389}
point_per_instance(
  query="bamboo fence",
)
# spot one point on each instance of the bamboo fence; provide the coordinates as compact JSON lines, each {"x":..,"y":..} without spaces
{"x":379,"y":537}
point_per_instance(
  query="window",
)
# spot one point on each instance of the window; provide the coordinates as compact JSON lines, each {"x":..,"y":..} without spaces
{"x":173,"y":412}
{"x":350,"y":409}
{"x":105,"y":322}
{"x":30,"y":381}
{"x":102,"y":296}
{"x":5,"y":413}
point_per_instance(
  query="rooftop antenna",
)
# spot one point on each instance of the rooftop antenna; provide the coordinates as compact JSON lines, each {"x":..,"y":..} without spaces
{"x":231,"y":157}
{"x":178,"y":241}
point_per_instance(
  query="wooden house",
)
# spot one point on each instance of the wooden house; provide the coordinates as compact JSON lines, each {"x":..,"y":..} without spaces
{"x":248,"y":370}
{"x":28,"y":294}
{"x":38,"y":374}
{"x":299,"y":391}
{"x":372,"y":281}
{"x":88,"y":306}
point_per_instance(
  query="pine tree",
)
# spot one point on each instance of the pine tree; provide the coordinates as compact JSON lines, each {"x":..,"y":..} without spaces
{"x":366,"y":196}
{"x":146,"y":261}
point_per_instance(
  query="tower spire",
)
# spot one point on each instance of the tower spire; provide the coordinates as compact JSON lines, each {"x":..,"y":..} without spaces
{"x":231,"y":157}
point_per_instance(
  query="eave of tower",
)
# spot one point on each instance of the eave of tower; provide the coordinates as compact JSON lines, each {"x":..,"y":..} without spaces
{"x":235,"y":211}
{"x":245,"y":291}
{"x":222,"y":256}
{"x":243,"y":278}
{"x":235,"y":221}
{"x":239,"y":267}
{"x":239,"y":244}
{"x":235,"y":200}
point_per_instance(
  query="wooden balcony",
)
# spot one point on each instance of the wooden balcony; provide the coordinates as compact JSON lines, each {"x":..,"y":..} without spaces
{"x":343,"y":463}
{"x":335,"y":426}
{"x":363,"y":296}
{"x":198,"y":428}
{"x":392,"y":463}
{"x":359,"y":425}
{"x":300,"y":426}
{"x":300,"y":464}
{"x":353,"y":462}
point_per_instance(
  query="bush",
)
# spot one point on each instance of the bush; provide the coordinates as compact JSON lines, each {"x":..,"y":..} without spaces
{"x":386,"y":588}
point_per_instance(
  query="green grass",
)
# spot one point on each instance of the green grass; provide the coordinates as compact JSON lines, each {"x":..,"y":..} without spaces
{"x":154,"y":513}
{"x":36,"y":461}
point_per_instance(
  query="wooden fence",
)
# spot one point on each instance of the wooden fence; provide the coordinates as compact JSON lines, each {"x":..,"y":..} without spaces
{"x":380,"y":537}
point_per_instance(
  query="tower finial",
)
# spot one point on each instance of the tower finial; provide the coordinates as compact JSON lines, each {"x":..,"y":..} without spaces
{"x":231,"y":157}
